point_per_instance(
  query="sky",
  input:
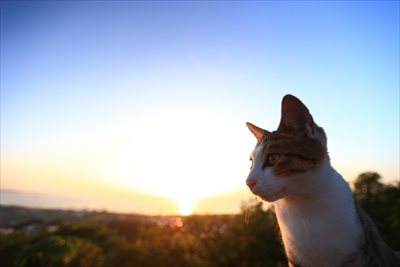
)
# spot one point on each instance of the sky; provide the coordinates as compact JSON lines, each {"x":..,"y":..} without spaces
{"x":144,"y":104}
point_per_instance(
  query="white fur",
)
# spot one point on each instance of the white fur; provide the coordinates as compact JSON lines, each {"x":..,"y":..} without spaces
{"x":315,"y":212}
{"x":267,"y":186}
{"x":320,"y":228}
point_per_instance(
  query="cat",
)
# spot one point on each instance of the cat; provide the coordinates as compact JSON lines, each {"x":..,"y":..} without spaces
{"x":320,"y":223}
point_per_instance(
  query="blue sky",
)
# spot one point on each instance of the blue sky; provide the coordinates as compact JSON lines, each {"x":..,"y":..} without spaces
{"x":75,"y":73}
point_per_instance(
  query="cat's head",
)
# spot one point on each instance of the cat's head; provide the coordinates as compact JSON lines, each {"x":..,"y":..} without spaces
{"x":284,"y":161}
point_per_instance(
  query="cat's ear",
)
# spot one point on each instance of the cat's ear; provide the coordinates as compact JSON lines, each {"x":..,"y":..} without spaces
{"x":295,"y":117}
{"x":259,"y":133}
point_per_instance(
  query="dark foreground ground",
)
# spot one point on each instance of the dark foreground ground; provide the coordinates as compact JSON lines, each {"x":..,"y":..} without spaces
{"x":35,"y":237}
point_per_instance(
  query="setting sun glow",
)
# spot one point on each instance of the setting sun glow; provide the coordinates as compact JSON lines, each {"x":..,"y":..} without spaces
{"x":185,"y":207}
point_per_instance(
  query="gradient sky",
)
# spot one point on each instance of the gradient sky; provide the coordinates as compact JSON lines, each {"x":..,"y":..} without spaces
{"x":151,"y":98}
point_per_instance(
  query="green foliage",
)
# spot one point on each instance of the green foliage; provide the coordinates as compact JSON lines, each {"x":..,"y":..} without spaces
{"x":252,"y":240}
{"x":382,"y":203}
{"x":366,"y":184}
{"x":52,"y":250}
{"x":245,"y":240}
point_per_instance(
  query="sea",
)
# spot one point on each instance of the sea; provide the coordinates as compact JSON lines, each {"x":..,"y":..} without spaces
{"x":91,"y":203}
{"x":145,"y":205}
{"x":40,"y":200}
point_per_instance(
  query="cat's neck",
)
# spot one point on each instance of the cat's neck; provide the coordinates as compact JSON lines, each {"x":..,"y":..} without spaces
{"x":320,"y":227}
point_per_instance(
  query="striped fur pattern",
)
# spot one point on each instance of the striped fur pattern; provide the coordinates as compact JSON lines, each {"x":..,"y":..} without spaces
{"x":291,"y":154}
{"x":319,"y":223}
{"x":373,"y":251}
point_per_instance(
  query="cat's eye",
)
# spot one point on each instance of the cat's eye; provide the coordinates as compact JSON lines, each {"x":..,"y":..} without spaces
{"x":271,"y":160}
{"x":251,"y":166}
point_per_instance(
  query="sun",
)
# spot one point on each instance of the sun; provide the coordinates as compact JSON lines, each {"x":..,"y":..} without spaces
{"x":185,"y":207}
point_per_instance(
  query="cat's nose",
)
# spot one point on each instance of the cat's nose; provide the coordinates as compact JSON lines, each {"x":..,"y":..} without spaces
{"x":250,"y":183}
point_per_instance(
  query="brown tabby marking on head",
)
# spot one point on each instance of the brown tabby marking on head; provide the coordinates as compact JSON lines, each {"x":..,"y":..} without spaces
{"x":298,"y":145}
{"x":288,"y":154}
{"x":296,"y":154}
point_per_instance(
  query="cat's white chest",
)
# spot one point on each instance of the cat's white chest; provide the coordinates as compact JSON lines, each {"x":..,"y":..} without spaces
{"x":316,"y":235}
{"x":310,"y":243}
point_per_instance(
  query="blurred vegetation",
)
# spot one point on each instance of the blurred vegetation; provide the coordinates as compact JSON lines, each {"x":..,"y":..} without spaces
{"x":48,"y":238}
{"x":382,"y":203}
